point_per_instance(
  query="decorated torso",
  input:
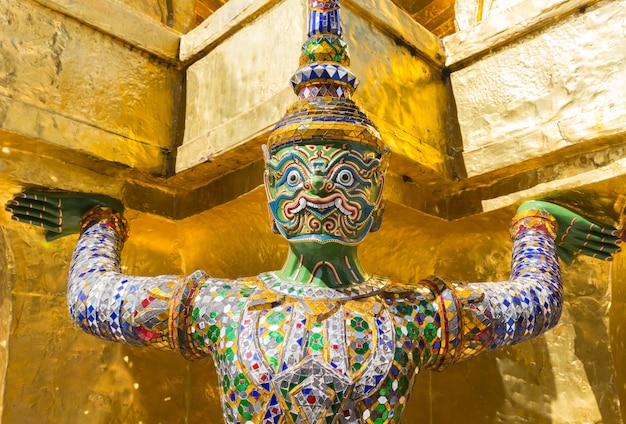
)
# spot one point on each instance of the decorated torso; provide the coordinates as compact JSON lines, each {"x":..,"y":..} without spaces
{"x":287,"y":353}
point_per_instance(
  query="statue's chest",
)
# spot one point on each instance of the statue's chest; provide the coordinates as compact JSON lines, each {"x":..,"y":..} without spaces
{"x":318,"y":359}
{"x":286,"y":359}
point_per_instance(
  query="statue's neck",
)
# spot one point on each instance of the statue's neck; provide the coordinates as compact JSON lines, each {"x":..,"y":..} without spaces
{"x":323,"y":265}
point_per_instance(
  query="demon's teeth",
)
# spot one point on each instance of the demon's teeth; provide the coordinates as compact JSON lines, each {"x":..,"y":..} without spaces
{"x":339,"y":205}
{"x":320,"y":205}
{"x":303,"y":203}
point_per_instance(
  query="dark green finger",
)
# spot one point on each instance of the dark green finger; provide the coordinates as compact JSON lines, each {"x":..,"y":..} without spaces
{"x":605,"y":256}
{"x":38,"y":222}
{"x":598,"y":247}
{"x":35,"y":213}
{"x":34,"y":205}
{"x":41,"y":197}
{"x":584,"y":225}
{"x":42,"y":221}
{"x":587,"y":236}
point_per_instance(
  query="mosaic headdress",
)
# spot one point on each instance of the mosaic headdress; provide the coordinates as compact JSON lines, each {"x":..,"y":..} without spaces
{"x":324,"y":85}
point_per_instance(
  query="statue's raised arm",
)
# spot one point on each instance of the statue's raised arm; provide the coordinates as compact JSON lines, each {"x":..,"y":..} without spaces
{"x":102,"y":301}
{"x":490,"y":316}
{"x":576,"y":234}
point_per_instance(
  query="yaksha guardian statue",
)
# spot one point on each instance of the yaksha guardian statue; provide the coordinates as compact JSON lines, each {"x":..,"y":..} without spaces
{"x":320,"y":340}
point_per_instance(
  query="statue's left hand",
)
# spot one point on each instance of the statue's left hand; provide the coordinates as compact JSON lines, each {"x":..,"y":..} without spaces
{"x":59,"y":213}
{"x":577,"y":234}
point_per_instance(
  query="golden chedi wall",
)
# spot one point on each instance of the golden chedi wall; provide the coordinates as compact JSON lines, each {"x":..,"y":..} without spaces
{"x":108,"y":97}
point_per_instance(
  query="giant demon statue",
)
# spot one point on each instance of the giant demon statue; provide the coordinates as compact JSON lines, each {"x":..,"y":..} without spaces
{"x":320,"y":340}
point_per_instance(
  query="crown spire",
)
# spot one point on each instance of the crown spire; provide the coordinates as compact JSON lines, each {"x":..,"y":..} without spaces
{"x":324,"y":85}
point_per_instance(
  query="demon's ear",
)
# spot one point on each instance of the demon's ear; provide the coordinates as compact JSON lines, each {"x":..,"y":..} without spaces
{"x":274,"y":226}
{"x":378,"y":217}
{"x":266,"y":152}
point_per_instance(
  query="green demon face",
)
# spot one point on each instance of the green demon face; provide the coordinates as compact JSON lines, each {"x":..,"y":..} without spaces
{"x":328,"y":192}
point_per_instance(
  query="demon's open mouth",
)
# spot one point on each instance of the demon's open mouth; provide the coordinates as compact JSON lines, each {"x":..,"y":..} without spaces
{"x":323,"y":204}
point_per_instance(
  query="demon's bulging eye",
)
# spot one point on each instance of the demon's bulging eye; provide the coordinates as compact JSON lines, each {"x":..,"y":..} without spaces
{"x":345,"y":177}
{"x":293,"y":178}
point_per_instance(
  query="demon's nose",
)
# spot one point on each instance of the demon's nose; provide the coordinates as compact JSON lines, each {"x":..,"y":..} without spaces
{"x":317,"y":182}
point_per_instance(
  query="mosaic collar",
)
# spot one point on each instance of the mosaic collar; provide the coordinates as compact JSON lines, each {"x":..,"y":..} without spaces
{"x":370,"y":287}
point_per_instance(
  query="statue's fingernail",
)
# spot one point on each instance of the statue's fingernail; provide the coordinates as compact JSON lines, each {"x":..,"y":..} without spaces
{"x":618,"y":250}
{"x":8,"y":209}
{"x":609,"y":259}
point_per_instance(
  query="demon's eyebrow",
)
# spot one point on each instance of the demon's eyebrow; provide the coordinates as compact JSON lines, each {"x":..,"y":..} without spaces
{"x":356,"y":158}
{"x":307,"y":163}
{"x":293,"y":156}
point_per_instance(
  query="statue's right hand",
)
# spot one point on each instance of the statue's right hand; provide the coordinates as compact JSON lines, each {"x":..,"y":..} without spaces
{"x":57,"y":212}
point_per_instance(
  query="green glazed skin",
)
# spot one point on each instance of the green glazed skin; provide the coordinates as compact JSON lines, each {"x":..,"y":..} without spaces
{"x":324,"y":199}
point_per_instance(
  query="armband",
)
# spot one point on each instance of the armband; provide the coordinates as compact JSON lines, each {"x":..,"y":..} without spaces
{"x":450,"y":309}
{"x":107,"y":217}
{"x":533,"y":218}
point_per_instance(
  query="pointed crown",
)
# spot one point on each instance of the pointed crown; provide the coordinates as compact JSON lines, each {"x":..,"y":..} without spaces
{"x":324,"y":85}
